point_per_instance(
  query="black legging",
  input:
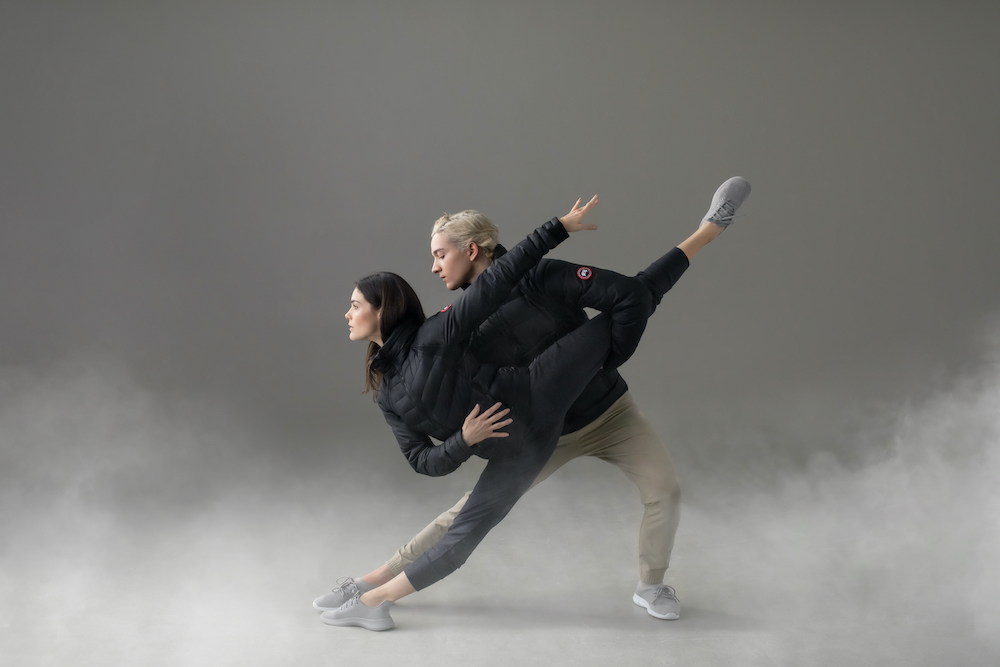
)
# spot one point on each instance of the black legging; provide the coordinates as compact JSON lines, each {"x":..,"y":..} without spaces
{"x":539,"y":396}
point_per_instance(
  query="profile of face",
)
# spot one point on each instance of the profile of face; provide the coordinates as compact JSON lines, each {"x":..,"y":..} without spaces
{"x":362,"y":319}
{"x":451,"y":263}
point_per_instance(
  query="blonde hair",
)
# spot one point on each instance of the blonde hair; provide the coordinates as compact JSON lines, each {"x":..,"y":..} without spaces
{"x":467,"y":227}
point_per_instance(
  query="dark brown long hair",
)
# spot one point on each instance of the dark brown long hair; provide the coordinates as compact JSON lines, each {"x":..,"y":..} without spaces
{"x":396,"y":303}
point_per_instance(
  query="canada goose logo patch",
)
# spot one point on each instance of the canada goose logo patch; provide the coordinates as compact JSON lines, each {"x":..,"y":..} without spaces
{"x":584,"y":273}
{"x":445,"y":308}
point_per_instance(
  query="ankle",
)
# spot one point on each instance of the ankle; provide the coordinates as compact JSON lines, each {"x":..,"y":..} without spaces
{"x":378,"y":576}
{"x":708,"y":230}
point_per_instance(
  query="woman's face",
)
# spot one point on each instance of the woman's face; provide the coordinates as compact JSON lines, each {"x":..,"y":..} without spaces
{"x":362,"y":319}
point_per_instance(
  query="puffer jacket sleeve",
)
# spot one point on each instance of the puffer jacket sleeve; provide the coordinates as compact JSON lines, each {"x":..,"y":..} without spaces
{"x":424,"y":456}
{"x":493,"y":286}
{"x":625,"y":298}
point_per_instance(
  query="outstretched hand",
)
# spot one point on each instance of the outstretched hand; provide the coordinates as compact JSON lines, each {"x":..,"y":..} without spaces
{"x":572,"y":221}
{"x":479,"y":427}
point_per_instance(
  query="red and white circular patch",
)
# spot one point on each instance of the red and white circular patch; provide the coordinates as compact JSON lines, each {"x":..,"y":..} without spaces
{"x":584,"y":273}
{"x":445,"y":308}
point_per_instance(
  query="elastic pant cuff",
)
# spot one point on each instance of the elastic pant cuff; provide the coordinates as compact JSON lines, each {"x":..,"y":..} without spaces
{"x":396,"y":564}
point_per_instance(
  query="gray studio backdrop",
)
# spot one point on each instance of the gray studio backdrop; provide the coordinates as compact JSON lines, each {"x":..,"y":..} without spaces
{"x":189,"y":190}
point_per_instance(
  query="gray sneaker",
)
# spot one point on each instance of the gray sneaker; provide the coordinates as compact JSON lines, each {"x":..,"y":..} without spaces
{"x":660,"y":601}
{"x":356,"y":612}
{"x":727,"y":200}
{"x":347,"y":588}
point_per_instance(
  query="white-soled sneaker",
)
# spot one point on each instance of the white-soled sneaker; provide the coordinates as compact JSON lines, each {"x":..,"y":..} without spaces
{"x":347,"y":587}
{"x":356,"y":612}
{"x":727,"y":200}
{"x":659,"y":600}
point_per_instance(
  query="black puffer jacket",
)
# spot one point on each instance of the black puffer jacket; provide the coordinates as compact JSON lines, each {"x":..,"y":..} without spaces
{"x":430,"y":379}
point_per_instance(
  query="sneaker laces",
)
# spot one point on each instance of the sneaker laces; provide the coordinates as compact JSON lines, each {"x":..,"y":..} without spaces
{"x":353,"y":602}
{"x":347,"y":586}
{"x":724,"y":214}
{"x":665,"y":591}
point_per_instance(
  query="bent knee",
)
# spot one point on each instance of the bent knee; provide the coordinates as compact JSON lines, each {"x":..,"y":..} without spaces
{"x":666,"y":491}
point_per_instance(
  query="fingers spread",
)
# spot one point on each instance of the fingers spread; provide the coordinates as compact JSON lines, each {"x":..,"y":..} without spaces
{"x":492,"y":409}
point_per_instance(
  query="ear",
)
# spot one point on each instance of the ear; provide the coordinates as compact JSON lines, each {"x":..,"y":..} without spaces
{"x":474,"y":250}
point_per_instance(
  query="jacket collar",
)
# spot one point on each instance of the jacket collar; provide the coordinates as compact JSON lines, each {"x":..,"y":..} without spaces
{"x":498,"y":252}
{"x":395,"y":348}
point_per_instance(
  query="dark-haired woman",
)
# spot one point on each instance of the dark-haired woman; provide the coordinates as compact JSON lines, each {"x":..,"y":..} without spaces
{"x":429,"y":385}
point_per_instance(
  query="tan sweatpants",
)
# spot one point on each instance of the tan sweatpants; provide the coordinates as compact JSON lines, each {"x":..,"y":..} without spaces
{"x":621,"y":436}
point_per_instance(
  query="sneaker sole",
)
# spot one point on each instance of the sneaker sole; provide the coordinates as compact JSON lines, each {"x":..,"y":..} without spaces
{"x":373,"y":624}
{"x":319,"y":608}
{"x":641,"y":602}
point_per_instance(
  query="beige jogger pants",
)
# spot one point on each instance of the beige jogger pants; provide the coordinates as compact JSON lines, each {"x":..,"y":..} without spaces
{"x":621,"y":436}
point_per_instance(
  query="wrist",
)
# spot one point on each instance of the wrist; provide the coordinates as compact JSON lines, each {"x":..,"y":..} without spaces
{"x":557,"y":228}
